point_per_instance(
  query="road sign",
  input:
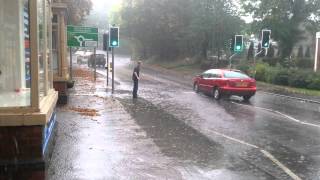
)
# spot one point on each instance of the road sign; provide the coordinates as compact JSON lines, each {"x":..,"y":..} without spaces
{"x":79,"y":36}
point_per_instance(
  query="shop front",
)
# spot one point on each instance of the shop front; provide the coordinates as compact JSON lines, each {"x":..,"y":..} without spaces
{"x":27,"y":96}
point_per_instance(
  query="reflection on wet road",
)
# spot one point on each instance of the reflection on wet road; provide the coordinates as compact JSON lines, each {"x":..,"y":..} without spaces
{"x":166,"y":104}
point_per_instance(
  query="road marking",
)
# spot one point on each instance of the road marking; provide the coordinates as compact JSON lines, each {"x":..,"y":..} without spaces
{"x":189,"y":92}
{"x":264,"y":152}
{"x":234,"y":139}
{"x":282,"y":114}
{"x":283,"y":167}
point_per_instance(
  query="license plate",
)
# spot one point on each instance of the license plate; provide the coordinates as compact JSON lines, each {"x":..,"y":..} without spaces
{"x":242,"y":84}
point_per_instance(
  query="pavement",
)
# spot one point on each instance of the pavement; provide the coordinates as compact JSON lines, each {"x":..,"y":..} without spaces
{"x":171,"y":132}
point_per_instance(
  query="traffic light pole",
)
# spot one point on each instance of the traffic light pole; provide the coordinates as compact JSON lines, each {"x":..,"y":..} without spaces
{"x":230,"y":60}
{"x":108,"y":66}
{"x":112,"y":70}
{"x":95,"y":65}
{"x":254,"y":62}
{"x":70,"y":48}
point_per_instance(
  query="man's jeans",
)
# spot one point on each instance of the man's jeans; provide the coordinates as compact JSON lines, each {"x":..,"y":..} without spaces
{"x":135,"y":88}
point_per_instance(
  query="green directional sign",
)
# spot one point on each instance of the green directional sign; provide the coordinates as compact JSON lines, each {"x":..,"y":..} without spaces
{"x":79,"y":36}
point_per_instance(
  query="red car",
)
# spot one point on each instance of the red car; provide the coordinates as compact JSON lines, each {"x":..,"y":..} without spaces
{"x":225,"y":82}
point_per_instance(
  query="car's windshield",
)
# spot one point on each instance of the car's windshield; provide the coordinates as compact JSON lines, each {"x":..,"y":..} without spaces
{"x":231,"y":74}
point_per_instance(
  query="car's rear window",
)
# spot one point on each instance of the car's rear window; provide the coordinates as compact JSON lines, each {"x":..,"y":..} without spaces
{"x":231,"y":74}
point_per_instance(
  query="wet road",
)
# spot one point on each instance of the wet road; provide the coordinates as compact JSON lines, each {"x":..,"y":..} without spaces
{"x":270,"y":137}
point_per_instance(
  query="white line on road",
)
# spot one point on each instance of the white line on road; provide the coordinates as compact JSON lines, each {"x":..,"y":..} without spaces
{"x":283,"y":167}
{"x":282,"y":114}
{"x":264,"y":152}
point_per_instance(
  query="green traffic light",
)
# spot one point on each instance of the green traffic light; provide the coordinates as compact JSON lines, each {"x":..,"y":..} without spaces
{"x":238,"y":47}
{"x":114,"y":43}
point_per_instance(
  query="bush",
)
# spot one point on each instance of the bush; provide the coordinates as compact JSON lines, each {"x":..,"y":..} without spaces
{"x":284,"y":76}
{"x":281,"y":77}
{"x":261,"y":71}
{"x":299,"y":79}
{"x":314,"y":81}
{"x":306,"y":63}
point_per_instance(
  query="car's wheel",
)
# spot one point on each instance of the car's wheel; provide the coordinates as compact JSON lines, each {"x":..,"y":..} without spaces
{"x":196,"y":87}
{"x":216,"y":93}
{"x":247,"y":98}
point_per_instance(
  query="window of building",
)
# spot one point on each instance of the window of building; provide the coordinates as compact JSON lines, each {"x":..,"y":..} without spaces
{"x":41,"y":47}
{"x":14,"y":54}
{"x":55,"y":45}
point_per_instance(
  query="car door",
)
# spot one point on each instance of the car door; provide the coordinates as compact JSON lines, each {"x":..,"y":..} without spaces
{"x":202,"y":81}
{"x":213,"y":80}
{"x":206,"y":82}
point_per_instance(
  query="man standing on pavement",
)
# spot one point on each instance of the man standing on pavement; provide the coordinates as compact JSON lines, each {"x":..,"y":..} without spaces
{"x":135,"y":78}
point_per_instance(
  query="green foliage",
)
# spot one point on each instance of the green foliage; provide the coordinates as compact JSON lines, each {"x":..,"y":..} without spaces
{"x":283,"y":18}
{"x":261,"y":71}
{"x":270,"y":53}
{"x":303,"y":63}
{"x":299,"y":79}
{"x":179,"y":27}
{"x":300,"y":52}
{"x":307,"y":54}
{"x":250,"y":54}
{"x":288,"y":77}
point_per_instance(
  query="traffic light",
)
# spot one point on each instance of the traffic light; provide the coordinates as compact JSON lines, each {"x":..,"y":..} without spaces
{"x":232,"y":41}
{"x":265,"y":41}
{"x":105,"y":41}
{"x":238,"y":45}
{"x":114,"y":37}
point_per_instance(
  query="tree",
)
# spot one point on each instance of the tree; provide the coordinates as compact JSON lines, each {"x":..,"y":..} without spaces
{"x":270,"y":53}
{"x":307,"y":54}
{"x":78,"y":9}
{"x":300,"y":52}
{"x":250,"y":54}
{"x":284,"y":18}
{"x":170,"y":28}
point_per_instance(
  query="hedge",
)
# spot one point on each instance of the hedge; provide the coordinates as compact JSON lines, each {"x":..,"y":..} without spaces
{"x":287,"y":76}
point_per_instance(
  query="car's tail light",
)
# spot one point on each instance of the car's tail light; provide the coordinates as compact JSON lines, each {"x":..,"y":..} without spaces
{"x":252,"y":84}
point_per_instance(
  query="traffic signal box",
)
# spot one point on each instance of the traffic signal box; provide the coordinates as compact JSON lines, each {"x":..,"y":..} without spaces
{"x":232,"y":42}
{"x":105,"y":41}
{"x":114,"y":37}
{"x":238,"y":44}
{"x":265,"y":40}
